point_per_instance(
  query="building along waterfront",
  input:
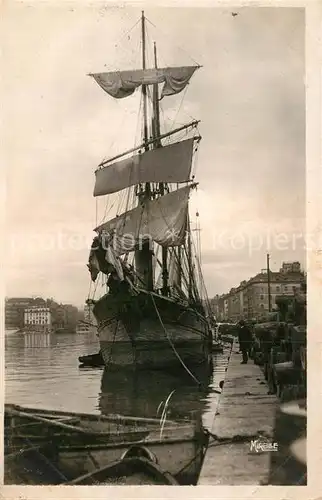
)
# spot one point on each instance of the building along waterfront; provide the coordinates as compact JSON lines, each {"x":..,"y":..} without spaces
{"x":249,"y":300}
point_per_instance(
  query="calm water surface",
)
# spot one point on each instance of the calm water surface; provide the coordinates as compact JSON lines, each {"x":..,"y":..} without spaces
{"x":43,"y":372}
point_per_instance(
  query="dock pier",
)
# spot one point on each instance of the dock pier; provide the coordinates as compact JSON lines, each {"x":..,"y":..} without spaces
{"x":256,"y":438}
{"x":245,"y":416}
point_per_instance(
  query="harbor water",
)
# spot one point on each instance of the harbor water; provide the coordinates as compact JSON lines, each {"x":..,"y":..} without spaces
{"x":42,"y":371}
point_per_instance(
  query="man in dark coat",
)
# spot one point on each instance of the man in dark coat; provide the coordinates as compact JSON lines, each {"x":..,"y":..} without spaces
{"x":245,"y":339}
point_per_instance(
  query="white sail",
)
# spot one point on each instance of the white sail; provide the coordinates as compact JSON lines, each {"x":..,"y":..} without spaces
{"x":119,"y":84}
{"x":167,"y":164}
{"x":162,"y":220}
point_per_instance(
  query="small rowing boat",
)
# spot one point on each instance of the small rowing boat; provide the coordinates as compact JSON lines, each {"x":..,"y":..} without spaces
{"x":77,"y":444}
{"x":128,"y":471}
{"x":93,"y":360}
{"x":32,"y":467}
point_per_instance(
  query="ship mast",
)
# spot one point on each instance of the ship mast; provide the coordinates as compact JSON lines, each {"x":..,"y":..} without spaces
{"x":158,"y":144}
{"x":143,"y":255}
{"x":156,"y":109}
{"x":144,"y":89}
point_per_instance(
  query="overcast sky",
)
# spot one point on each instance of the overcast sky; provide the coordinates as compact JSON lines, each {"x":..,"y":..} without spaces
{"x":250,"y":98}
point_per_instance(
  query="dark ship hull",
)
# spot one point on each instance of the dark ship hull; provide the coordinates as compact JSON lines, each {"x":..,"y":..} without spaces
{"x":151,"y":331}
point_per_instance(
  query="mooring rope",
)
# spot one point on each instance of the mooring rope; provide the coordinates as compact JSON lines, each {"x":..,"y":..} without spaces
{"x":171,"y":343}
{"x":237,"y":438}
{"x":198,"y":454}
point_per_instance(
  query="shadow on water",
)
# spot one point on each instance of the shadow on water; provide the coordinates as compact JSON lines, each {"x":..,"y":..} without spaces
{"x":141,"y":392}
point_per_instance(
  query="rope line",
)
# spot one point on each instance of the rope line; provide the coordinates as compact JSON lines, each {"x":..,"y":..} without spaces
{"x":238,"y":438}
{"x":167,"y":36}
{"x":171,"y":343}
{"x":114,"y":62}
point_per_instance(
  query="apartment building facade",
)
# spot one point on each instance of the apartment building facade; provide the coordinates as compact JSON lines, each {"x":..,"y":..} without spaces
{"x":250,"y":299}
{"x":37,"y":318}
{"x":15,"y":309}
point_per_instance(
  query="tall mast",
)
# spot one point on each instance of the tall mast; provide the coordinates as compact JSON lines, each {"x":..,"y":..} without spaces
{"x":158,"y":144}
{"x":156,"y":108}
{"x":143,"y":255}
{"x":144,"y":93}
{"x":147,"y":192}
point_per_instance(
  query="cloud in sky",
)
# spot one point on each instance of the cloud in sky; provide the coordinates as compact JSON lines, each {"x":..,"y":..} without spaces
{"x":250,"y":98}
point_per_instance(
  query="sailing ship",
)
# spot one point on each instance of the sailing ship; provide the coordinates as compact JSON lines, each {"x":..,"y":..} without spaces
{"x":143,"y":321}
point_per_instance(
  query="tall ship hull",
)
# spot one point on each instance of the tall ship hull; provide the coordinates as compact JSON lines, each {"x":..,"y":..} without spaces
{"x":151,"y":331}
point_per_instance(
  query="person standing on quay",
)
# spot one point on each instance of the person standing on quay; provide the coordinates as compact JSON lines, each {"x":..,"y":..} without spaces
{"x":245,"y":339}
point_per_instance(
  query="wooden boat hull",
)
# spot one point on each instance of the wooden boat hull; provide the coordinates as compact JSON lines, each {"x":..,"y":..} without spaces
{"x":80,"y":447}
{"x":34,"y":467}
{"x":41,"y":427}
{"x":31,"y":467}
{"x":132,"y":335}
{"x":129,"y":471}
{"x":180,"y":457}
{"x":93,"y":421}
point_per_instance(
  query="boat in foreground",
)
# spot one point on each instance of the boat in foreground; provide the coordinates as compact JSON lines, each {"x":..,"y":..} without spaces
{"x":136,"y":470}
{"x":77,"y":444}
{"x":33,"y":467}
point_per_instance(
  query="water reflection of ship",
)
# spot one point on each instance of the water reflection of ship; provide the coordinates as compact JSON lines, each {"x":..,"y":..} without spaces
{"x":141,"y":392}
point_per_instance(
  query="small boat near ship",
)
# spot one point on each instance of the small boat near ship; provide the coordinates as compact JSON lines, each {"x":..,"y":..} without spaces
{"x":94,"y":360}
{"x":152,"y":315}
{"x":32,"y":467}
{"x":78,"y":444}
{"x":85,"y":327}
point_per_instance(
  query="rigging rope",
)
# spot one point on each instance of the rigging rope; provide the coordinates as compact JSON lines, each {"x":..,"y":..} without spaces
{"x":89,"y":289}
{"x":178,"y":110}
{"x":167,"y":37}
{"x":126,"y":33}
{"x":171,"y":343}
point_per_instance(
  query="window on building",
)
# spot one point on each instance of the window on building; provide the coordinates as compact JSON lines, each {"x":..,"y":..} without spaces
{"x":262,"y":297}
{"x":262,"y":306}
{"x":285,"y":288}
{"x":277,"y":288}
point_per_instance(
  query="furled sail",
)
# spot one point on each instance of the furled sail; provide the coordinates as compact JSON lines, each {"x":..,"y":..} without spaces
{"x":98,"y":259}
{"x":168,"y":164}
{"x":162,"y":220}
{"x":121,"y":84}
